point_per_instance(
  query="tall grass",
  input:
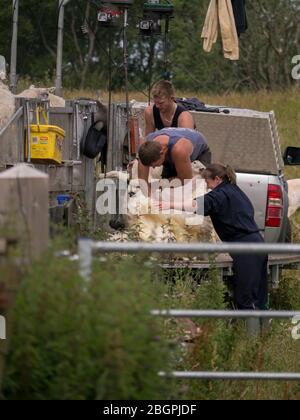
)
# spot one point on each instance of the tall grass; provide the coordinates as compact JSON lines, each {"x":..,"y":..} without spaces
{"x":218,"y":345}
{"x":96,"y":340}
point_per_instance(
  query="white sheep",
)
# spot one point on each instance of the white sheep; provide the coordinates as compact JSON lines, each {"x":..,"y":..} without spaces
{"x":7,"y":104}
{"x":7,"y":100}
{"x":294,"y":196}
{"x":155,"y":226}
{"x":48,"y":93}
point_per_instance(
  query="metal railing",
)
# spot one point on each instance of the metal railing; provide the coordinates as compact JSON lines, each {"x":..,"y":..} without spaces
{"x":17,"y":115}
{"x":231,"y":376}
{"x":87,"y":247}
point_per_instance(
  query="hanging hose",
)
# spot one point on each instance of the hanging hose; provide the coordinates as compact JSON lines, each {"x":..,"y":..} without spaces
{"x":151,"y":56}
{"x":125,"y":46}
{"x":109,"y":89}
{"x":166,"y":55}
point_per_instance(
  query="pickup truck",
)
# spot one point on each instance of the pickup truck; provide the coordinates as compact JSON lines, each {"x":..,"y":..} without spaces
{"x":247,"y":140}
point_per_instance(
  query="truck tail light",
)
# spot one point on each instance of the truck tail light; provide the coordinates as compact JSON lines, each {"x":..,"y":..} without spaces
{"x":274,"y":212}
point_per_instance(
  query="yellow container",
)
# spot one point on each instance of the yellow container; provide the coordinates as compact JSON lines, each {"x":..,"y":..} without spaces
{"x":46,"y":142}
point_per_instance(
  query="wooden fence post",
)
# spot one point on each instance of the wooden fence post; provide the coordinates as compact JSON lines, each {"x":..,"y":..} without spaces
{"x":24,"y":219}
{"x":24,"y":208}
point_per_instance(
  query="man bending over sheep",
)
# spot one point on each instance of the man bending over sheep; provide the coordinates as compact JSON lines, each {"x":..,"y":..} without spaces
{"x":175,"y":149}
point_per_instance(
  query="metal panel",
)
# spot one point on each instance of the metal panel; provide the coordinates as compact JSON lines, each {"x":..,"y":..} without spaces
{"x":117,"y":134}
{"x":242,"y":142}
{"x":70,"y":176}
{"x":63,"y":119}
{"x":12,"y":142}
{"x":245,"y":139}
{"x":277,"y":142}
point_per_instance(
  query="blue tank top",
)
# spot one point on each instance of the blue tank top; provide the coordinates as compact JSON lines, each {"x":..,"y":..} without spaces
{"x":175,"y":134}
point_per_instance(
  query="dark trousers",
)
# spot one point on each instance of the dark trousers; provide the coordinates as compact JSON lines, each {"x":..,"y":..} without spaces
{"x":169,"y":170}
{"x":250,"y":280}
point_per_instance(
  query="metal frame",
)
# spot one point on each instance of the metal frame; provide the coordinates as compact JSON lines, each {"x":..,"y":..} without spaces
{"x":230,"y":376}
{"x":253,"y":318}
{"x":17,"y":115}
{"x":87,"y":247}
{"x":225,"y":314}
{"x":193,"y":248}
{"x":14,"y":47}
{"x":60,"y":42}
{"x":76,"y":173}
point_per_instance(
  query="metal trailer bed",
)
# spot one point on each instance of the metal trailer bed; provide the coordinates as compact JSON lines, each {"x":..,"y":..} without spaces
{"x":223,"y":262}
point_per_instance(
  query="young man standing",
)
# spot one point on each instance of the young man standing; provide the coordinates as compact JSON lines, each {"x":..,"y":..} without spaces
{"x":165,"y":112}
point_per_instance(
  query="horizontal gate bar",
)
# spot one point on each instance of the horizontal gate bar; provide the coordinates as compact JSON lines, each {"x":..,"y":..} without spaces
{"x":225,"y":314}
{"x":242,"y":376}
{"x":232,"y":248}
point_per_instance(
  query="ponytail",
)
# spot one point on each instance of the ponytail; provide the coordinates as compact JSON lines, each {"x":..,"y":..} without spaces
{"x":231,"y":175}
{"x":226,"y":173}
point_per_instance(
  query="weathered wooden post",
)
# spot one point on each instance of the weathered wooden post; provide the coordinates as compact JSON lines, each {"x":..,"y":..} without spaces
{"x":24,"y":219}
{"x":24,"y":208}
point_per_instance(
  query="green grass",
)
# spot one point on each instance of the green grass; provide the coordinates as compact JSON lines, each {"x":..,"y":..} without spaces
{"x":223,"y":346}
{"x":78,"y":340}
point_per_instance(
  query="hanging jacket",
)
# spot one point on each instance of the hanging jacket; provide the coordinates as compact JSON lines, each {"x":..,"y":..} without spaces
{"x":221,"y":12}
{"x":240,"y":16}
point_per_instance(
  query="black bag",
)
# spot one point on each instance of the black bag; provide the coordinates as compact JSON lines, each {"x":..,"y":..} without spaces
{"x":191,"y":104}
{"x":95,"y":142}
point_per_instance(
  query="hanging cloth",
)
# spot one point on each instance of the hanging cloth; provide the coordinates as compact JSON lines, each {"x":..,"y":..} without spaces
{"x":240,"y":16}
{"x":220,"y":12}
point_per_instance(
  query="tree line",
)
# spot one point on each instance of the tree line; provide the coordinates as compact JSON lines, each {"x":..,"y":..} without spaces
{"x":93,"y":54}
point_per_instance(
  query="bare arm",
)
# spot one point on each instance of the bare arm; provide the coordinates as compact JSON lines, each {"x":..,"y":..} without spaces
{"x":143,"y":174}
{"x":181,"y":156}
{"x":186,"y":120}
{"x":150,"y":127}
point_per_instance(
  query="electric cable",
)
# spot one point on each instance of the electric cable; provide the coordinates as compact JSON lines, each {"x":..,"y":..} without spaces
{"x":151,"y":57}
{"x":125,"y":63}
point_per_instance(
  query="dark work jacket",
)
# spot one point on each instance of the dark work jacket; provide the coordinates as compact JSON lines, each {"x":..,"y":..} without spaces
{"x":231,"y":212}
{"x":159,"y":125}
{"x":239,"y":11}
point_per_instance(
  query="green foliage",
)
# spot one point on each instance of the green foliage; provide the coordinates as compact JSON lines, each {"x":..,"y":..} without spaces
{"x":224,"y":345}
{"x":78,"y":340}
{"x":266,"y":49}
{"x":74,"y":340}
{"x":286,"y":297}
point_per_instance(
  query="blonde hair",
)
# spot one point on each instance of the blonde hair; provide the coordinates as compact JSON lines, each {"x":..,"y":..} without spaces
{"x":226,"y":173}
{"x":163,"y":89}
